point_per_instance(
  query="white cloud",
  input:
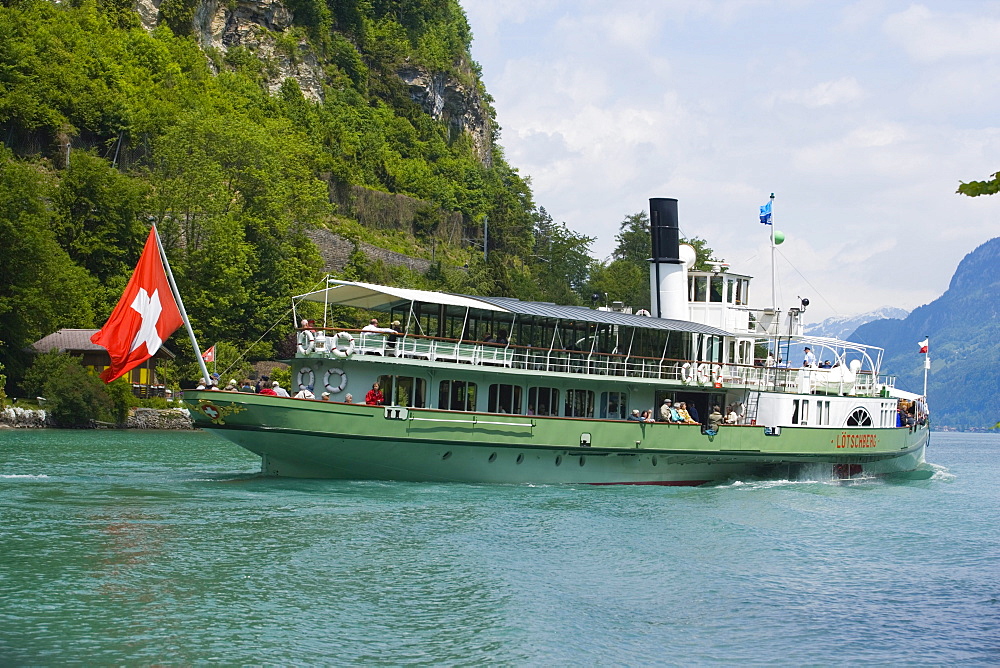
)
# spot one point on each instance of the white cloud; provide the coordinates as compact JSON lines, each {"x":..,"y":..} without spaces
{"x":605,"y":104}
{"x":825,"y":94}
{"x":931,"y":36}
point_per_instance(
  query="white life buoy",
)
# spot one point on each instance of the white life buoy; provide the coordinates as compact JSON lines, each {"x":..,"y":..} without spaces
{"x":306,"y":342}
{"x":643,"y":312}
{"x":716,"y":374}
{"x":333,"y":389}
{"x":686,"y":372}
{"x":345,"y":339}
{"x":304,"y":373}
{"x":703,"y":373}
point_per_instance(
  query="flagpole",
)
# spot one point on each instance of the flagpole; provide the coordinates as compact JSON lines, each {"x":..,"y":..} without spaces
{"x":774,"y":300}
{"x":927,"y":364}
{"x":180,"y":306}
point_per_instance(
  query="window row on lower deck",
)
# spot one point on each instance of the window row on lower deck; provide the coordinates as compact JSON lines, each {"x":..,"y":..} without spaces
{"x":461,"y":395}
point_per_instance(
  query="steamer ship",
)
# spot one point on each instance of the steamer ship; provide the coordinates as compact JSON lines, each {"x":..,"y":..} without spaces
{"x":548,"y":399}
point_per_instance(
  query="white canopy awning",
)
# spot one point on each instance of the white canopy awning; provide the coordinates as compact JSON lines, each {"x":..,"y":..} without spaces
{"x":370,"y":296}
{"x":903,"y":394}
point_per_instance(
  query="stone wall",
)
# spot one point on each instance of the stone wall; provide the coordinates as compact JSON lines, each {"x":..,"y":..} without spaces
{"x":21,"y":418}
{"x":152,"y":418}
{"x":336,"y":251}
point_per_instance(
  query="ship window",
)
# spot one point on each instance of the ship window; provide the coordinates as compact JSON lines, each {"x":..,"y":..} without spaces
{"x":795,"y":411}
{"x":579,"y":403}
{"x":504,"y":399}
{"x":730,"y":290}
{"x":700,"y":289}
{"x":406,"y":390}
{"x":613,"y":405}
{"x":859,"y":417}
{"x":715,"y":291}
{"x":543,"y":401}
{"x":457,"y":395}
{"x":805,"y":412}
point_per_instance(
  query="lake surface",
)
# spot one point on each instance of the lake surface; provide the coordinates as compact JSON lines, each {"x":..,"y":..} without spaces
{"x":138,"y":548}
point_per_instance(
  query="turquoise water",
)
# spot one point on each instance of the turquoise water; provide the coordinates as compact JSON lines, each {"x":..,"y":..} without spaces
{"x":138,"y":548}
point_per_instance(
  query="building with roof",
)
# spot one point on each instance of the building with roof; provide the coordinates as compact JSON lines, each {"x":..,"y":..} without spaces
{"x":76,"y":342}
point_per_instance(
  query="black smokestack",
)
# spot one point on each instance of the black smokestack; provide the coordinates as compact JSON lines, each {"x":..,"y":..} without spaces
{"x":664,"y":229}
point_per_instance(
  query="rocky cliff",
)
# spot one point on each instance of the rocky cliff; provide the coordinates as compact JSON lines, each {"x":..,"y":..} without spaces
{"x":257,"y":25}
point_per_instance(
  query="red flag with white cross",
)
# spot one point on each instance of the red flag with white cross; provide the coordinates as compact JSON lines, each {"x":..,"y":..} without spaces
{"x":145,"y":315}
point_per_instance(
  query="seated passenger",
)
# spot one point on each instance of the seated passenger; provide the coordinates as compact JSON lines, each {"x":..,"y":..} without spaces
{"x":502,"y":337}
{"x":305,"y":392}
{"x":635,"y":417}
{"x":374,"y":396}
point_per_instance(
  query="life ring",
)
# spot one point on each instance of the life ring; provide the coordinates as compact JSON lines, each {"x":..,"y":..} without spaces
{"x":716,"y":374}
{"x":643,"y":312}
{"x":345,"y":339}
{"x":334,"y":389}
{"x":686,"y":372}
{"x":306,"y":342}
{"x":303,"y":373}
{"x":703,"y":373}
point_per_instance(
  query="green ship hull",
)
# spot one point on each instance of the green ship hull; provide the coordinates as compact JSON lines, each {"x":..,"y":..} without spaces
{"x":318,"y":439}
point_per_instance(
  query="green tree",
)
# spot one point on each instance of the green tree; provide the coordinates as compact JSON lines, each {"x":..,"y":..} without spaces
{"x":977,"y":188}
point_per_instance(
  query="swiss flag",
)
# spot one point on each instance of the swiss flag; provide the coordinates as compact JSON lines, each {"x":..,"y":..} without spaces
{"x":924,"y":345}
{"x":209,"y":355}
{"x":144,"y":317}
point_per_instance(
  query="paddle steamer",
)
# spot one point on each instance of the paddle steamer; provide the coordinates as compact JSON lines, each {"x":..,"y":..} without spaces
{"x":548,"y":399}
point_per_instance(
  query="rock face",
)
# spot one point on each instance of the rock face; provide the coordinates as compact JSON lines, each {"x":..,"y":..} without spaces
{"x":255,"y":25}
{"x":446,"y":99}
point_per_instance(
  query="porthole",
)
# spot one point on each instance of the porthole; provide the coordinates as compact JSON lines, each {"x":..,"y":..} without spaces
{"x":583,"y":460}
{"x":654,"y":460}
{"x":558,"y":460}
{"x":520,"y":458}
{"x":493,"y":457}
{"x":446,"y":455}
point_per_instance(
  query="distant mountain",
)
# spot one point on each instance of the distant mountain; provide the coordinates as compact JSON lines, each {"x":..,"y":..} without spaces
{"x":963,"y":326}
{"x":842,"y":326}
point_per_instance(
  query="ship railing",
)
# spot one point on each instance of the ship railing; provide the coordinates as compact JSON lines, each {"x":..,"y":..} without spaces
{"x":549,"y":360}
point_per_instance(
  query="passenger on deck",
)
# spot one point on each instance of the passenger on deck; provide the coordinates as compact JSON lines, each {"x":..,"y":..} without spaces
{"x":267,"y":391}
{"x":693,"y":412}
{"x":231,"y":386}
{"x":731,"y":416}
{"x":809,"y":359}
{"x":635,"y":417}
{"x":372,"y":326}
{"x":349,"y":399}
{"x":502,"y":337}
{"x":488,"y":338}
{"x":647,"y":416}
{"x":826,"y":364}
{"x":374,"y":396}
{"x":714,"y":421}
{"x":279,"y":390}
{"x":685,"y":416}
{"x":325,"y":396}
{"x":305,"y":392}
{"x":665,"y":410}
{"x":393,"y":334}
{"x":202,"y":384}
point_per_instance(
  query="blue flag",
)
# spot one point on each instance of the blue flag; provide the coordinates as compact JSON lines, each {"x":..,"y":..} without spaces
{"x":765,"y":214}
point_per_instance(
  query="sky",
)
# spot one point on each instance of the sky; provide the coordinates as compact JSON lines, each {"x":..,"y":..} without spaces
{"x":861,"y":117}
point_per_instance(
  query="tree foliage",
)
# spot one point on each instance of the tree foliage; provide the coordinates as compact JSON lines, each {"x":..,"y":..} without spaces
{"x":977,"y":188}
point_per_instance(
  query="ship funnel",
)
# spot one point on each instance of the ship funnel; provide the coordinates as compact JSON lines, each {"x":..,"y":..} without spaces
{"x":667,"y":270}
{"x":664,"y":229}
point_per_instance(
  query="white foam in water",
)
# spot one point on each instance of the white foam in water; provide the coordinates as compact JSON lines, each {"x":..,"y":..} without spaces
{"x":22,"y":475}
{"x":940,"y":472}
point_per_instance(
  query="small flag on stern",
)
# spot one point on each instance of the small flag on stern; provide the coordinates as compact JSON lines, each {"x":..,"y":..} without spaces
{"x":146,"y":315}
{"x":923,"y":345}
{"x":765,"y":214}
{"x":209,"y":355}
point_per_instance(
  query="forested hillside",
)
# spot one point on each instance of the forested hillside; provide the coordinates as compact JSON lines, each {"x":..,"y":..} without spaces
{"x":245,"y":130}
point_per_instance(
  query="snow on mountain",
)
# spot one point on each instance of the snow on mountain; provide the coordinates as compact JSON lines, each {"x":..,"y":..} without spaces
{"x":842,"y":326}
